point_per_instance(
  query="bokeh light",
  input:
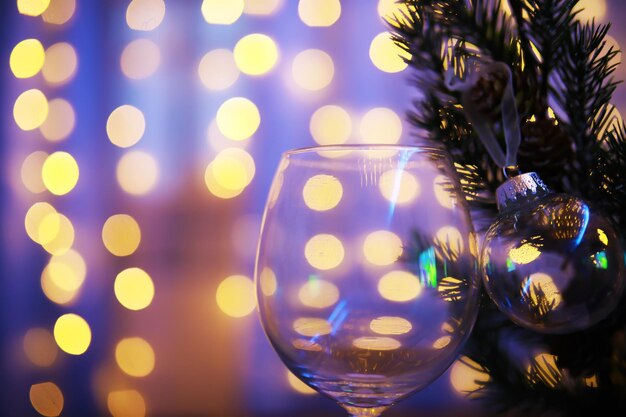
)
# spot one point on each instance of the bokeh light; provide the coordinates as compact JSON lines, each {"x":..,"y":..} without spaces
{"x":121,"y":234}
{"x":313,"y":69}
{"x":376,"y":343}
{"x":126,"y":403}
{"x":444,"y":191}
{"x":591,"y":9}
{"x":235,"y":296}
{"x":60,"y":64}
{"x":230,"y":172}
{"x":27,"y":58}
{"x":30,"y":172}
{"x":399,"y":286}
{"x":135,"y":356}
{"x":137,"y":172}
{"x":267,"y":281}
{"x":39,"y":347}
{"x":317,"y":293}
{"x":386,"y":55}
{"x":30,"y":109}
{"x":47,"y":399}
{"x":324,"y":251}
{"x":59,"y":12}
{"x":322,"y":192}
{"x":382,"y":247}
{"x":32,"y":7}
{"x":217,"y":69}
{"x":238,"y":118}
{"x":140,"y":59}
{"x":72,"y":334}
{"x":33,"y":219}
{"x":380,"y":125}
{"x":389,"y":325}
{"x":399,"y":186}
{"x":392,"y":10}
{"x":311,"y":326}
{"x":145,"y":15}
{"x":319,"y":12}
{"x":60,"y":121}
{"x":63,"y":239}
{"x":60,"y":173}
{"x":466,"y":376}
{"x":256,"y":54}
{"x":449,"y":243}
{"x":134,"y":288}
{"x":262,"y":7}
{"x":330,"y":125}
{"x":55,"y":293}
{"x":541,"y":290}
{"x":222,"y":12}
{"x":67,"y":271}
{"x":299,"y":386}
{"x":125,"y":126}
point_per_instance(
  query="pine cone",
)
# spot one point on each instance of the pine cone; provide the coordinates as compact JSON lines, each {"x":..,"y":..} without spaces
{"x":545,"y":149}
{"x":486,"y":93}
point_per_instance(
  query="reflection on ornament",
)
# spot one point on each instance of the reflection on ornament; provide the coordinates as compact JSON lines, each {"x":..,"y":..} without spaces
{"x":550,"y":262}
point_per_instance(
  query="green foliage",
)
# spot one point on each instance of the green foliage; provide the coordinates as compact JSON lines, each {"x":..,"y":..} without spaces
{"x":563,"y":69}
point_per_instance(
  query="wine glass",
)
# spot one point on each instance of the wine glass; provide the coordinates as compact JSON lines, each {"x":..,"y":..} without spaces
{"x":366,"y":270}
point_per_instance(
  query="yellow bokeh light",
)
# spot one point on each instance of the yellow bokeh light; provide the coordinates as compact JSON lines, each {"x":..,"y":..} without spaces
{"x":311,"y":326}
{"x":390,"y":325}
{"x":121,"y":235}
{"x":39,"y":347}
{"x":27,"y":58}
{"x":525,"y":254}
{"x":72,"y":334}
{"x":382,"y":247}
{"x":450,"y":288}
{"x":217,"y":69}
{"x":544,"y":364}
{"x":31,"y":172}
{"x":322,"y":192}
{"x":49,"y":228}
{"x":30,"y":109}
{"x":137,"y":172}
{"x":399,"y":286}
{"x":125,"y":126}
{"x":32,"y":7}
{"x":256,"y":54}
{"x":60,"y":173}
{"x":298,"y":385}
{"x":134,"y":288}
{"x":63,"y":239}
{"x":541,"y":289}
{"x":60,"y":121}
{"x":135,"y":356}
{"x":238,"y":118}
{"x":313,"y":69}
{"x":392,"y":10}
{"x":67,"y":271}
{"x":381,"y":125}
{"x":324,"y":251}
{"x":126,"y":403}
{"x":215,"y":188}
{"x":33,"y":222}
{"x":60,"y":64}
{"x":319,"y":12}
{"x":235,"y":296}
{"x":46,"y":398}
{"x":267,"y":281}
{"x":449,"y":243}
{"x":386,"y":55}
{"x":262,"y":7}
{"x":317,"y":293}
{"x":442,"y":342}
{"x":145,"y":15}
{"x":330,"y":125}
{"x":399,"y":186}
{"x":233,"y":169}
{"x":53,"y":292}
{"x":222,"y":12}
{"x":140,"y":59}
{"x":591,"y":9}
{"x":59,"y":12}
{"x":467,"y":376}
{"x":444,"y":192}
{"x":376,"y":343}
{"x":306,"y":344}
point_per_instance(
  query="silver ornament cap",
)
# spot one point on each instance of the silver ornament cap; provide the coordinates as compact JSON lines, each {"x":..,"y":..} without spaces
{"x":518,"y":188}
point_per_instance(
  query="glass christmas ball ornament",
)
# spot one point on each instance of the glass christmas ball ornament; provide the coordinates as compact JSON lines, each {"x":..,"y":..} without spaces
{"x":550,"y":262}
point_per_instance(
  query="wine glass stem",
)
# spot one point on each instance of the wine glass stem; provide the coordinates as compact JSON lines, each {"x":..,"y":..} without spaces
{"x":365,"y":412}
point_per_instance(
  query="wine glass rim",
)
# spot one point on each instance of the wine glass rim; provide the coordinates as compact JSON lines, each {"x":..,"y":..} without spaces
{"x":363,"y":147}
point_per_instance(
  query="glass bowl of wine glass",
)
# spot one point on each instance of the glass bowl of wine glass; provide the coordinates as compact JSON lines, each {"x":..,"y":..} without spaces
{"x":366,"y":272}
